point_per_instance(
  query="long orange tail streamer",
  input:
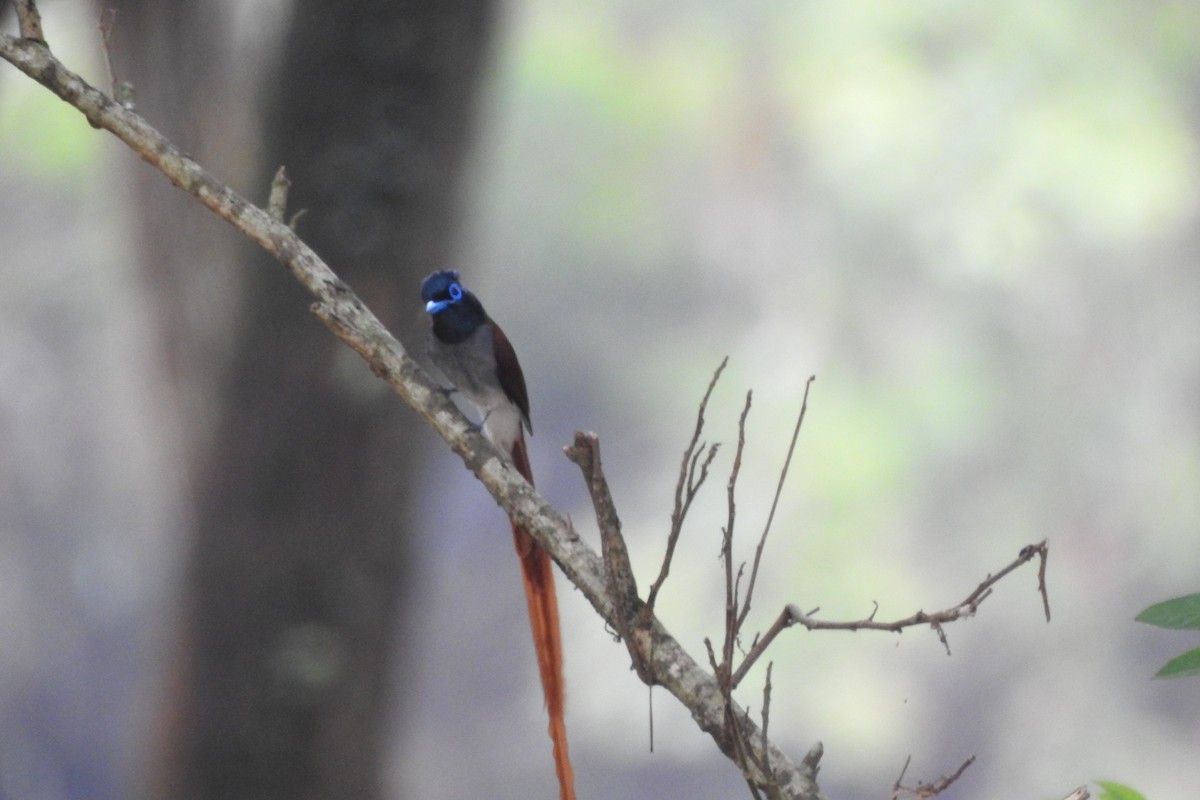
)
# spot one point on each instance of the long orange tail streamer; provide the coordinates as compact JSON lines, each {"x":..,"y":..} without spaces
{"x":538,"y":576}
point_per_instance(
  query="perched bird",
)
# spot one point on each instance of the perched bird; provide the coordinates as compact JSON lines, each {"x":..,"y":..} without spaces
{"x":476,"y":356}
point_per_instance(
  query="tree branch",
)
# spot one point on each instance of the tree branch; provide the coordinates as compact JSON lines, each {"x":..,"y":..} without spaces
{"x":689,"y":483}
{"x":762,"y":541}
{"x":629,"y":619}
{"x":925,"y":791}
{"x":349,"y":319}
{"x":792,"y":615}
{"x":30,"y":21}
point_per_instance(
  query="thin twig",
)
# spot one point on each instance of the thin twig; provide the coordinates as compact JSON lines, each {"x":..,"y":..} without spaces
{"x":766,"y":721}
{"x":743,"y":751}
{"x":712,"y":656}
{"x":731,"y":600}
{"x":688,"y":485}
{"x":650,"y":713}
{"x":924,"y":791}
{"x":784,"y":620}
{"x":792,"y":615}
{"x":1043,"y":553}
{"x":762,"y":541}
{"x":900,"y":778}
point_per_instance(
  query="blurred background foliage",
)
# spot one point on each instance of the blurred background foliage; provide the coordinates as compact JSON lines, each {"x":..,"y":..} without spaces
{"x":975,"y":223}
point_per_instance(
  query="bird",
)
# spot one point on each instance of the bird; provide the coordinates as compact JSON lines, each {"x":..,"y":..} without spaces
{"x":474,"y":354}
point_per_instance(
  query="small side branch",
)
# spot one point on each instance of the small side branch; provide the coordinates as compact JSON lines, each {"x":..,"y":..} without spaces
{"x":29,"y":19}
{"x":762,"y":541}
{"x":927,"y":790}
{"x":1043,"y":554}
{"x":692,"y":474}
{"x":741,"y":747}
{"x":792,"y":615}
{"x":766,"y":722}
{"x":731,"y":587}
{"x":618,"y":571}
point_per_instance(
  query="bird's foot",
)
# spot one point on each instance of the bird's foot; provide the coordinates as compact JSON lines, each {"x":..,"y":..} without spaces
{"x":477,"y":427}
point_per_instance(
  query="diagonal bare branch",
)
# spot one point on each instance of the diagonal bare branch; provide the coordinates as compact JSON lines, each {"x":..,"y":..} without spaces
{"x":349,"y":319}
{"x":731,"y":591}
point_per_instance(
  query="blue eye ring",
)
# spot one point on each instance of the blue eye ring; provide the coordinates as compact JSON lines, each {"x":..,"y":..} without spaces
{"x":454,"y":290}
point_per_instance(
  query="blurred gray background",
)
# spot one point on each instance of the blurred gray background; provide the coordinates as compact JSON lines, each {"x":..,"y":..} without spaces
{"x":975,"y":223}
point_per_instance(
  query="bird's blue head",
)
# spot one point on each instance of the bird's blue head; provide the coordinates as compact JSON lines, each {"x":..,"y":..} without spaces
{"x":456,"y":312}
{"x":441,"y":290}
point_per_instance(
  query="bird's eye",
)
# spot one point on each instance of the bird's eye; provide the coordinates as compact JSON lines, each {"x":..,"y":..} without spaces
{"x":455,"y":292}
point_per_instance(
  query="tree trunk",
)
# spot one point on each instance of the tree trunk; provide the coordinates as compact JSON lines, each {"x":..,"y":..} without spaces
{"x":296,"y":576}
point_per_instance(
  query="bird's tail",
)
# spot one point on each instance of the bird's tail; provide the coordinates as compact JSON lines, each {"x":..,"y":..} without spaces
{"x":538,"y":576}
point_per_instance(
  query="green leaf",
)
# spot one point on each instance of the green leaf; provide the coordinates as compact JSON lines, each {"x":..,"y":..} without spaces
{"x":1181,"y":613}
{"x":1117,"y":791}
{"x":1184,"y":666}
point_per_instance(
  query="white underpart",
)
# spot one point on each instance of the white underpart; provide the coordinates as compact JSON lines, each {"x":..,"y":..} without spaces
{"x":502,"y":426}
{"x":471,"y":368}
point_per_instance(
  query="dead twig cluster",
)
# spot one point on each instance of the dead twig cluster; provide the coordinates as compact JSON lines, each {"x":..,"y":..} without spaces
{"x":634,"y":614}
